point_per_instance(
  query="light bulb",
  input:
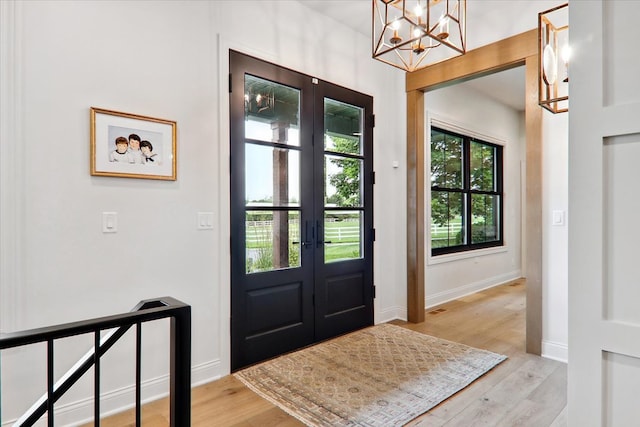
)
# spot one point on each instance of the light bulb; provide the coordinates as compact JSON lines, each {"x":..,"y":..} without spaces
{"x":418,"y":10}
{"x":443,"y":22}
{"x":395,"y":39}
{"x":566,"y":53}
{"x":549,"y":65}
{"x":417,"y":32}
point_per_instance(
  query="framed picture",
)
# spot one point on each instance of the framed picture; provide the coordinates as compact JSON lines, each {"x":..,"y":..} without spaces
{"x":132,"y":146}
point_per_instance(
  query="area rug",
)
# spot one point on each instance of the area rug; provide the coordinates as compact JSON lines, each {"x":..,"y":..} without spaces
{"x":384,"y":375}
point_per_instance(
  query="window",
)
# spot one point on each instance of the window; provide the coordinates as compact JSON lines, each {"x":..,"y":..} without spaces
{"x":466,"y":193}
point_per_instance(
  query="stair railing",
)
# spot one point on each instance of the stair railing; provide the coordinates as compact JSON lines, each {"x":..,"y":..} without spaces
{"x":144,"y":311}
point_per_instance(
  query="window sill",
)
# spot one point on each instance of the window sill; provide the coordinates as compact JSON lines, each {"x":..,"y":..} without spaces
{"x":441,"y":259}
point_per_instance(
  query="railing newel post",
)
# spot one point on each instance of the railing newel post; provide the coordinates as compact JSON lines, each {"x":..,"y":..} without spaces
{"x":138,"y":372}
{"x":96,"y":378}
{"x":50,"y":368}
{"x":180,"y":382}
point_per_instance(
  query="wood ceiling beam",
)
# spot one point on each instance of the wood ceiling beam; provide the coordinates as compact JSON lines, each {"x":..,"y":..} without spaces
{"x":498,"y":56}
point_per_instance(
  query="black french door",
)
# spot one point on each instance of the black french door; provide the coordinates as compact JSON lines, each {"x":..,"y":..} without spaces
{"x":301,"y":210}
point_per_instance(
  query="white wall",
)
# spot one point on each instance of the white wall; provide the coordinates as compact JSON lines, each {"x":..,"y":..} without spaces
{"x":163,"y":59}
{"x":555,"y":198}
{"x":454,"y":275}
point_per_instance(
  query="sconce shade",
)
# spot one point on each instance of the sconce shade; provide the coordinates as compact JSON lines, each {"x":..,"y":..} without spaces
{"x":411,"y":34}
{"x":553,"y":59}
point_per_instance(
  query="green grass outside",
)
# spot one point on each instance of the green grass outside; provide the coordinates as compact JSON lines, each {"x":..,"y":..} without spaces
{"x":338,"y":252}
{"x":349,"y":247}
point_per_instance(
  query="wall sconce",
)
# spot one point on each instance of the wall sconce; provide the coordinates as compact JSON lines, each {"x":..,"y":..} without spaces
{"x":553,"y":59}
{"x":411,"y":34}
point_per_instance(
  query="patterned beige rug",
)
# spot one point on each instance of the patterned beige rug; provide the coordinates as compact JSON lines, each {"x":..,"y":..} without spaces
{"x":384,"y":375}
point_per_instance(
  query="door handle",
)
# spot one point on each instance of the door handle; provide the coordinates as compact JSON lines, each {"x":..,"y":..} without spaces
{"x":307,"y":241}
{"x":321,"y":242}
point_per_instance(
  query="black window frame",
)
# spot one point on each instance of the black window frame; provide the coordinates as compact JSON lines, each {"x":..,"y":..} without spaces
{"x":467,"y":193}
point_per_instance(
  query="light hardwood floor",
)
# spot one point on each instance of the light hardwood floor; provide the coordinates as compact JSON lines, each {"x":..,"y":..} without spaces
{"x":525,"y":390}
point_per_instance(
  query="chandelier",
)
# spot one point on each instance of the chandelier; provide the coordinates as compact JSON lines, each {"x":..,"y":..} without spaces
{"x":553,"y":58}
{"x":411,"y":34}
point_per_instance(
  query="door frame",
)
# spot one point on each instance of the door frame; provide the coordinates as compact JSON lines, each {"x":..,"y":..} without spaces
{"x":519,"y":50}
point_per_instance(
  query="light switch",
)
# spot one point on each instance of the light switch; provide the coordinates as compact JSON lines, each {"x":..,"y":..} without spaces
{"x":109,"y":222}
{"x":557,"y":218}
{"x":205,"y":220}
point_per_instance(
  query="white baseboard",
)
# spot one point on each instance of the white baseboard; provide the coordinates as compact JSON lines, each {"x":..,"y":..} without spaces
{"x":400,"y":313}
{"x":461,"y":291}
{"x":391,"y":313}
{"x":555,"y":351}
{"x":206,"y":372}
{"x":115,"y":401}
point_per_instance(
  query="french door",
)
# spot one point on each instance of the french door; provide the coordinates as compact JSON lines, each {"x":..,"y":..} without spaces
{"x":301,"y":210}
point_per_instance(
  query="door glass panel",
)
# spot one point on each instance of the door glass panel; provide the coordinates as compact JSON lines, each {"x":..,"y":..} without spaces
{"x":271,"y":111}
{"x":272,"y":176}
{"x":272,"y":240}
{"x":343,"y":127}
{"x":342,"y":235}
{"x":343,"y":177}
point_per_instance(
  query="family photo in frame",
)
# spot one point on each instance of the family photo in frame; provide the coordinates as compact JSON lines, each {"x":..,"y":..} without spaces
{"x":132,"y":146}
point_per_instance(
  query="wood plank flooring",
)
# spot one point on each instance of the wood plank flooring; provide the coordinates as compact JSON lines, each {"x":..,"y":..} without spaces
{"x":524,"y":390}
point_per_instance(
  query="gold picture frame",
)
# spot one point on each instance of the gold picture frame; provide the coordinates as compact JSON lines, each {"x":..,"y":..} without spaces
{"x":150,"y":150}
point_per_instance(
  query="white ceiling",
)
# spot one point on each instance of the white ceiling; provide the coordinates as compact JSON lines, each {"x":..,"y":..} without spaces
{"x":487,"y":21}
{"x":506,"y":86}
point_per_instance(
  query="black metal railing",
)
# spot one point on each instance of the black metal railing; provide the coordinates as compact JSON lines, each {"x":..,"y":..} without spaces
{"x":144,"y":311}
